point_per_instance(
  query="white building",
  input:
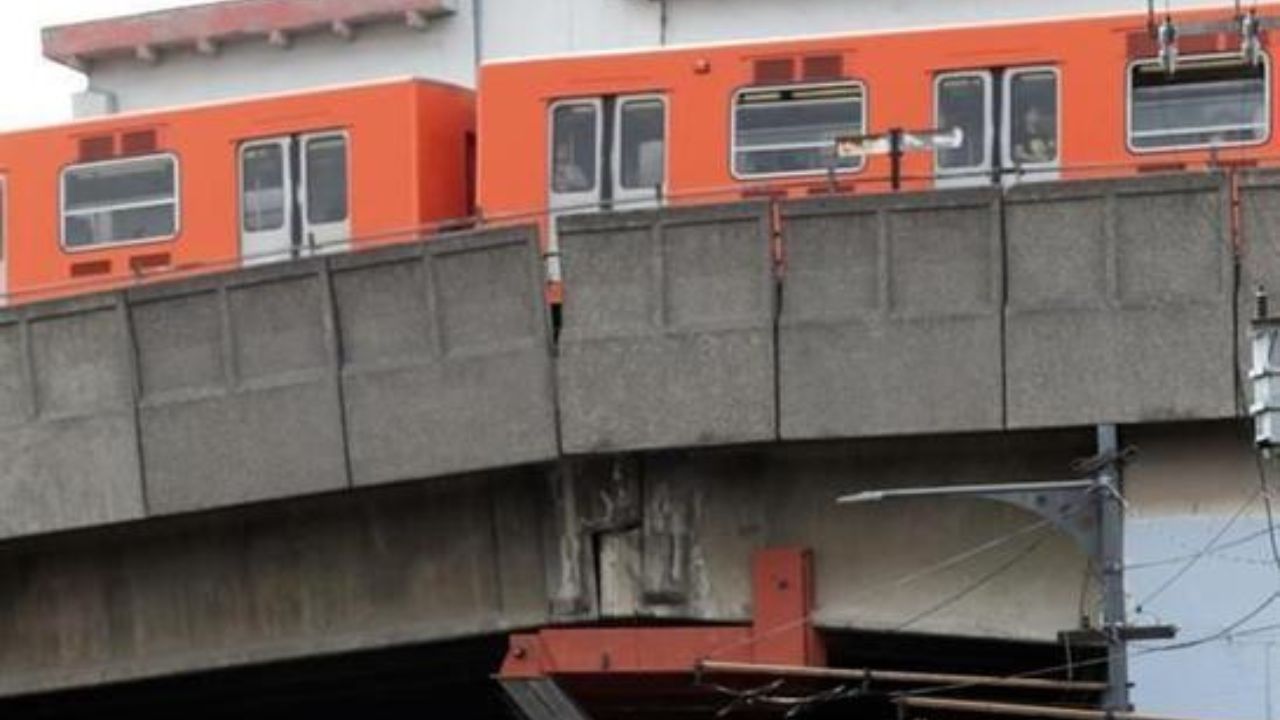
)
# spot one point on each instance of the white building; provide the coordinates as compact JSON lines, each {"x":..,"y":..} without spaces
{"x":243,"y":47}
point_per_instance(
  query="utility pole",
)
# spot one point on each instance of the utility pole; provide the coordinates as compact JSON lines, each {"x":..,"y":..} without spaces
{"x":1111,"y":557}
{"x":1092,"y":512}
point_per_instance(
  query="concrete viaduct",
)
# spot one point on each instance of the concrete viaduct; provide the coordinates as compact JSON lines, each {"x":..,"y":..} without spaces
{"x":391,"y":448}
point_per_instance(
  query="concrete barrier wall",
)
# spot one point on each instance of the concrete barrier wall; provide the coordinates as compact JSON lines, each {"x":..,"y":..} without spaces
{"x":1120,"y":302}
{"x":280,"y":381}
{"x":68,"y":441}
{"x":890,"y":318}
{"x":446,"y":357}
{"x":239,"y":392}
{"x":668,"y":336}
{"x":1053,"y":305}
{"x":1260,"y":250}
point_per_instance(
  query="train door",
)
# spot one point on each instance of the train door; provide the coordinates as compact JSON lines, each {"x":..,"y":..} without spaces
{"x":294,"y":196}
{"x":605,"y":153}
{"x":1008,"y":118}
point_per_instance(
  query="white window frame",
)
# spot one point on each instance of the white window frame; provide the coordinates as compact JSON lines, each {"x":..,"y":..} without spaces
{"x":791,"y":87}
{"x":621,"y":192}
{"x":1006,"y":121}
{"x":1182,"y":62}
{"x":62,"y":203}
{"x":988,"y":124}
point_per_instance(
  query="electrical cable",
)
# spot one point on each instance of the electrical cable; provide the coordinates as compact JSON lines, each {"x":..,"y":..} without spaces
{"x":1197,"y":556}
{"x":1265,"y":490}
{"x":972,"y":587}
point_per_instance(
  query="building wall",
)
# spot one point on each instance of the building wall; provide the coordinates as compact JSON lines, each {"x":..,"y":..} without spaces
{"x":447,"y":50}
{"x":444,"y":51}
{"x":1196,"y":560}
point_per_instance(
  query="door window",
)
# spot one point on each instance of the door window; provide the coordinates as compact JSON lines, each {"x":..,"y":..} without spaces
{"x":575,"y":130}
{"x":263,"y":201}
{"x":1033,"y":117}
{"x":963,"y":101}
{"x":326,"y":172}
{"x":642,"y":138}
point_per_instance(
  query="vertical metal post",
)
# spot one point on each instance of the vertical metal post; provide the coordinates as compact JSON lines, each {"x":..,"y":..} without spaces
{"x":895,"y":159}
{"x":1111,"y":558}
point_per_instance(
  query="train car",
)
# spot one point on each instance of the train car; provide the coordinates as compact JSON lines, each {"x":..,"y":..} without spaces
{"x":91,"y":204}
{"x":1032,"y":101}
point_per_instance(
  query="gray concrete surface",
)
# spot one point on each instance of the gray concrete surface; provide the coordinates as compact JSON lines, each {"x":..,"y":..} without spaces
{"x":68,"y":442}
{"x":1119,"y":302}
{"x":411,"y":563}
{"x":668,"y":329}
{"x":890,"y":319}
{"x":447,"y":359}
{"x":239,"y":392}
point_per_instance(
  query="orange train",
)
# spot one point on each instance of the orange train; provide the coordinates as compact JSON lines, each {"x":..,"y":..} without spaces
{"x":330,"y":170}
{"x":94,"y":203}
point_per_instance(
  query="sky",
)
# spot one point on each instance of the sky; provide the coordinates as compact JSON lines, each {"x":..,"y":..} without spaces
{"x":36,"y":91}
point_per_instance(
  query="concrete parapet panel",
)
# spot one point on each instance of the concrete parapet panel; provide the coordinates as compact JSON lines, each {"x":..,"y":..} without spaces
{"x":668,"y":329}
{"x":1260,"y":253}
{"x":67,"y":434}
{"x":446,"y":356}
{"x":1120,"y":301}
{"x":239,"y":398}
{"x":890,"y":319}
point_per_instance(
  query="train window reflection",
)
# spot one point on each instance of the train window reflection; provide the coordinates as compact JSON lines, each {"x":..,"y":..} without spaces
{"x":1033,"y":116}
{"x":793,"y":130}
{"x":573,"y":142}
{"x":643,"y":137}
{"x":326,"y":169}
{"x":262,"y":204}
{"x":1207,"y":101}
{"x":119,"y":201}
{"x":962,"y":102}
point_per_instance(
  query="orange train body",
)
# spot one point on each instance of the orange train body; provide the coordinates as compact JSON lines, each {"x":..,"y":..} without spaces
{"x":897,"y":71}
{"x":410,"y":146}
{"x":406,"y":166}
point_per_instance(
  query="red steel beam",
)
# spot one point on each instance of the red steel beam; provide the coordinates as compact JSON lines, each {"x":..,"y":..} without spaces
{"x":781,"y":632}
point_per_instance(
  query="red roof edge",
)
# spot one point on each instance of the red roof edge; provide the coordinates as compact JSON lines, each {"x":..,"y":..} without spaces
{"x":74,"y":44}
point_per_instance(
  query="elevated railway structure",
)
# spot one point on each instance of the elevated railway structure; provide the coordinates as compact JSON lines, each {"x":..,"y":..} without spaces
{"x":396,"y":449}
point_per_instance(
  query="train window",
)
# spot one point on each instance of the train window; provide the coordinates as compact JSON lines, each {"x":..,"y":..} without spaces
{"x":263,"y":193}
{"x":574,"y":134}
{"x":643,"y":142}
{"x":326,"y":173}
{"x":1033,"y":117}
{"x":116,"y":201}
{"x":1208,"y":101}
{"x":963,"y":100}
{"x":792,"y":130}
